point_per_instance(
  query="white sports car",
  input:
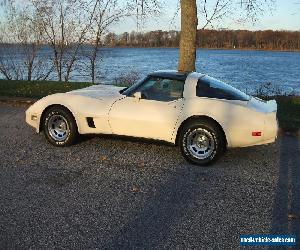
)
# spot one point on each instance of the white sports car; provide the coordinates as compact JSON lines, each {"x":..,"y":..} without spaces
{"x":195,"y":111}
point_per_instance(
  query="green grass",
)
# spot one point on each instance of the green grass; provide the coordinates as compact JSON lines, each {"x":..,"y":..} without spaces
{"x":288,"y":106}
{"x":37,"y":89}
{"x":288,"y":112}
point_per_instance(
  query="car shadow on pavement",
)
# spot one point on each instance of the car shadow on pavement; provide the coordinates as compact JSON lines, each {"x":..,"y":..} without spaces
{"x":122,"y":138}
{"x":156,"y":220}
{"x":286,"y":208}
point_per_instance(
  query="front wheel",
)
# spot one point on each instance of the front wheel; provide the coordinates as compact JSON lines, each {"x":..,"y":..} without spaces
{"x":60,"y":127}
{"x":201,"y":142}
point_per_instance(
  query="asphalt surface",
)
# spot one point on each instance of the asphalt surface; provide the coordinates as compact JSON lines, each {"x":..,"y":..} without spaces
{"x":111,"y":193}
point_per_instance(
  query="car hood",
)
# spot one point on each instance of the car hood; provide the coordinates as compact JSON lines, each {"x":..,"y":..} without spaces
{"x":98,"y":91}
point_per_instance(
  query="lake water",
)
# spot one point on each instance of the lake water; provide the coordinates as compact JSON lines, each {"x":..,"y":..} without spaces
{"x":242,"y":69}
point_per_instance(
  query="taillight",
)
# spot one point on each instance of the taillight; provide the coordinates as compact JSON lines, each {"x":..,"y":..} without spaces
{"x":256,"y":133}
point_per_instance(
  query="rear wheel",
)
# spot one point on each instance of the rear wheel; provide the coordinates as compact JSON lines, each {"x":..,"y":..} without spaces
{"x":60,"y":127}
{"x":202,"y":142}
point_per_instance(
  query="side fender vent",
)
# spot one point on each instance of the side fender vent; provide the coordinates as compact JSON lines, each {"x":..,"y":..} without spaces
{"x":90,"y":122}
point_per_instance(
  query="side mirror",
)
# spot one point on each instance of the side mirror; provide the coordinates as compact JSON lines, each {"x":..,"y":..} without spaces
{"x":122,"y":90}
{"x":137,"y":95}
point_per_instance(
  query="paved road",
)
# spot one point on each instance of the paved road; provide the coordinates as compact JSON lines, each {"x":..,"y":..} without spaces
{"x":110,"y":193}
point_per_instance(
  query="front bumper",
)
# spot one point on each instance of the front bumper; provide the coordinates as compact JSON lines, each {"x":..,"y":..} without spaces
{"x":33,"y":119}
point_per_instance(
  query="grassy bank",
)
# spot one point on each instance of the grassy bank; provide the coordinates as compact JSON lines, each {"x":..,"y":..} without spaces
{"x":288,"y":112}
{"x":36,"y":89}
{"x":288,"y":106}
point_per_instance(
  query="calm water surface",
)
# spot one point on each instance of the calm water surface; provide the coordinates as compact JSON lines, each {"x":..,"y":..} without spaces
{"x":242,"y":69}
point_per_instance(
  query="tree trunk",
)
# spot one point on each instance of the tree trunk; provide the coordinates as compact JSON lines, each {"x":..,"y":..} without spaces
{"x":189,"y":22}
{"x":93,"y":64}
{"x":95,"y":53}
{"x":29,"y":73}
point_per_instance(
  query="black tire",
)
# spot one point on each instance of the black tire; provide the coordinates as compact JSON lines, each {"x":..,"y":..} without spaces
{"x":214,"y":146}
{"x":69,"y":135}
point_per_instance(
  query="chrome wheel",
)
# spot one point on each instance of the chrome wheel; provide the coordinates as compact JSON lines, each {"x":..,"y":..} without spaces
{"x":200,"y":143}
{"x":58,"y":127}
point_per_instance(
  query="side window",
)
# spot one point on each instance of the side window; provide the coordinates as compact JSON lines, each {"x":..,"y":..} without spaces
{"x":210,"y":87}
{"x":160,"y":89}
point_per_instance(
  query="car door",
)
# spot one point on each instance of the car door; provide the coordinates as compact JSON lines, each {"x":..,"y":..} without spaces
{"x":150,"y":111}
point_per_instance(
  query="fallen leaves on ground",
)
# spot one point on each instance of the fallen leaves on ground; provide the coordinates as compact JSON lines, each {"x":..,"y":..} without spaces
{"x":292,"y":216}
{"x":135,"y":189}
{"x":103,"y":158}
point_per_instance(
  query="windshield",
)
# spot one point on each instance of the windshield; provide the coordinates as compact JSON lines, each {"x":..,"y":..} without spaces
{"x":134,"y":86}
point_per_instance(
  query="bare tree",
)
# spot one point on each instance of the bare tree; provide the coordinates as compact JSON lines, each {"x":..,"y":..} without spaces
{"x":65,"y":25}
{"x":10,"y":68}
{"x":110,"y":12}
{"x":20,"y":44}
{"x":142,"y":9}
{"x":3,"y":2}
{"x":212,"y":11}
{"x":107,"y":13}
{"x":188,"y":36}
{"x":248,"y":9}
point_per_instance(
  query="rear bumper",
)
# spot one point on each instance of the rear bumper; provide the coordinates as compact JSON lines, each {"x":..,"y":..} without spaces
{"x":243,"y":135}
{"x":264,"y":121}
{"x":271,"y":127}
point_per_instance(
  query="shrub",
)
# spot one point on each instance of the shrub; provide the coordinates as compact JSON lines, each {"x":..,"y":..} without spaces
{"x":127,"y":79}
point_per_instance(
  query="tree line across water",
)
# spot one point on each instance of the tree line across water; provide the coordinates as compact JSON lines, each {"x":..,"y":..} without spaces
{"x":207,"y":38}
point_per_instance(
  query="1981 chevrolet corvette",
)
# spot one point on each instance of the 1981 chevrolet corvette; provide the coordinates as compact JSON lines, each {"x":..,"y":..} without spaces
{"x":195,"y":111}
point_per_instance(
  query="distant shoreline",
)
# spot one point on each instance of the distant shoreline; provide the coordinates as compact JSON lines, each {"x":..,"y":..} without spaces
{"x":169,"y":47}
{"x":246,"y":49}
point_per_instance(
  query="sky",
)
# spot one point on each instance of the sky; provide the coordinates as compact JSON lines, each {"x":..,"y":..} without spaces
{"x":284,"y":15}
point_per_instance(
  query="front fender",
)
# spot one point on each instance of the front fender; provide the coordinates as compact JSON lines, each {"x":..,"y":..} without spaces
{"x":34,"y":112}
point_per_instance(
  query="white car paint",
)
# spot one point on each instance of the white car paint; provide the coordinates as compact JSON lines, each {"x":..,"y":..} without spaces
{"x":114,"y":113}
